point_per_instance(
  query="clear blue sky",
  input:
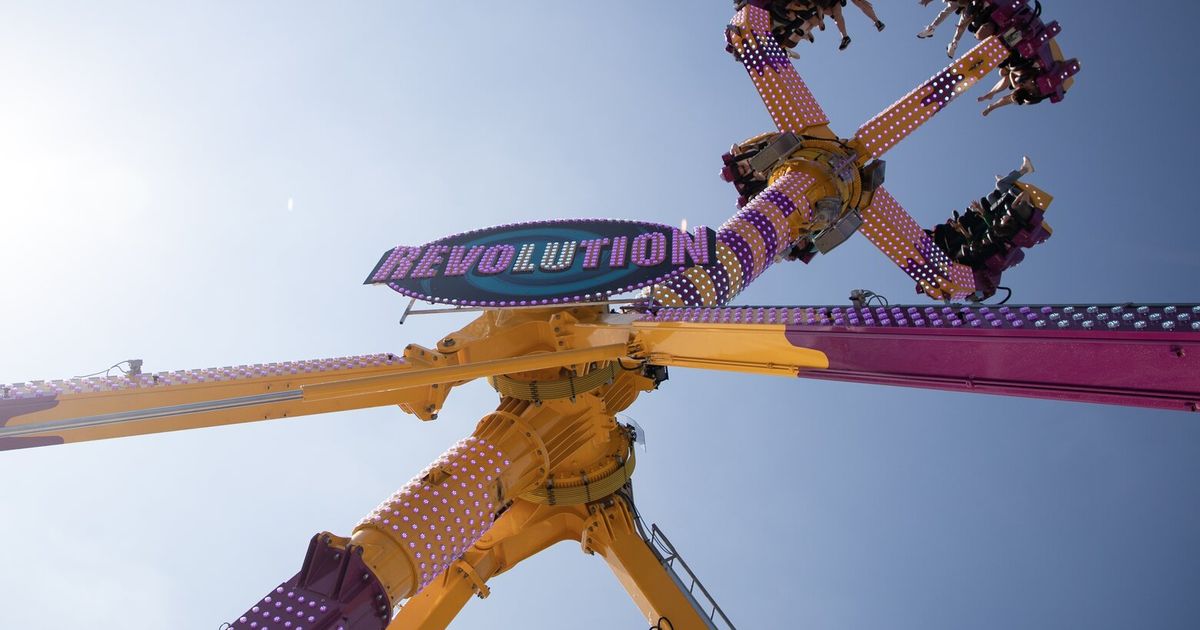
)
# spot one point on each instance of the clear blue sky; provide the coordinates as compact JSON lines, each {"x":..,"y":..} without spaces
{"x":147,"y":155}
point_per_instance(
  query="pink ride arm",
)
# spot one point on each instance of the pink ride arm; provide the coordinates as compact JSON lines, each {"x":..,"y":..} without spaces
{"x":1132,"y":355}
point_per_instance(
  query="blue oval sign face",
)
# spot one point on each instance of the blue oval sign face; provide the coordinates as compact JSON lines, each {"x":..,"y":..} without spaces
{"x":548,"y":262}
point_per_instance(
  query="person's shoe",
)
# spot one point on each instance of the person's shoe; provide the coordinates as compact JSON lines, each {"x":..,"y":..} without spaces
{"x":951,"y":48}
{"x":925,"y":34}
{"x":879,"y":26}
{"x":845,"y":43}
{"x":1026,"y":165}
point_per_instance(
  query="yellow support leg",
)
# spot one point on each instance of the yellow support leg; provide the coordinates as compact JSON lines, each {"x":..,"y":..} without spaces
{"x":523,"y":530}
{"x":605,"y":527}
{"x":611,"y":533}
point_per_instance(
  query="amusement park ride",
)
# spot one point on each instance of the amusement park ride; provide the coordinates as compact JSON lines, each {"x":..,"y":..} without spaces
{"x":566,"y":354}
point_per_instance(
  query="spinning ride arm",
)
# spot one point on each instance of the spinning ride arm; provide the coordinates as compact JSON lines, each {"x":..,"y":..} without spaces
{"x":878,"y":135}
{"x":844,"y":177}
{"x":791,"y":104}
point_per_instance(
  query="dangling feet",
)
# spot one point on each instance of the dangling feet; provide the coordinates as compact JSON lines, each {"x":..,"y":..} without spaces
{"x":879,"y":26}
{"x":1026,"y":165}
{"x":845,"y":42}
{"x":951,"y":48}
{"x":925,"y":34}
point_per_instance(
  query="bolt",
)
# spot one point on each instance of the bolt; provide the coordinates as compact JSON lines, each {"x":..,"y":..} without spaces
{"x":448,"y":341}
{"x":1178,"y":350}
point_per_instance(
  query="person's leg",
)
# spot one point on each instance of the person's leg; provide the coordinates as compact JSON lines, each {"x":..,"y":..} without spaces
{"x":1000,"y":87}
{"x":819,"y":18}
{"x":958,"y":33}
{"x":946,"y":12}
{"x":812,"y":23}
{"x":840,"y":20}
{"x":865,"y":7}
{"x":1007,"y":100}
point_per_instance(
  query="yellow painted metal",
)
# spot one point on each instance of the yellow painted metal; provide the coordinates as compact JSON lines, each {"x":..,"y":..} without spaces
{"x":69,"y":406}
{"x":587,"y":488}
{"x":460,"y":373}
{"x":1040,"y":198}
{"x":612,"y":534}
{"x":604,"y":527}
{"x":536,"y":445}
{"x":878,"y":135}
{"x":567,"y":387}
{"x":524,"y":530}
{"x":666,"y":296}
{"x":760,"y":349}
{"x":733,"y":267}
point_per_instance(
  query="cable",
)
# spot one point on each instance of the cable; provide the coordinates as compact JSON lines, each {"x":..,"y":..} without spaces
{"x":1007,"y":297}
{"x":116,"y":365}
{"x":863,"y":297}
{"x":660,"y":626}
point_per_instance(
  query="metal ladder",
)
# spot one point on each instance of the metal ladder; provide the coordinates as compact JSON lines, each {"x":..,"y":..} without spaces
{"x":686,"y":579}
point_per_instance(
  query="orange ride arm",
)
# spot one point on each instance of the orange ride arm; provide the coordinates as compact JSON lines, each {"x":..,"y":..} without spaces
{"x":894,"y":231}
{"x":41,"y":413}
{"x":55,"y":412}
{"x":791,"y":104}
{"x":878,"y":135}
{"x":747,"y":244}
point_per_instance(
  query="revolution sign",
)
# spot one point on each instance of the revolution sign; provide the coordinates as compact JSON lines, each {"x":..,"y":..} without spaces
{"x":548,"y":262}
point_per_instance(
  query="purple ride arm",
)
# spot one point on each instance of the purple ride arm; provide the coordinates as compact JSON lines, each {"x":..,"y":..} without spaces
{"x":1130,"y":355}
